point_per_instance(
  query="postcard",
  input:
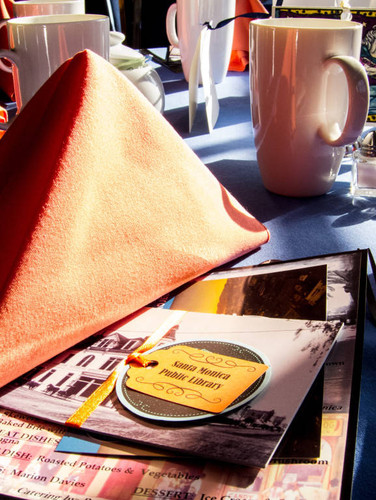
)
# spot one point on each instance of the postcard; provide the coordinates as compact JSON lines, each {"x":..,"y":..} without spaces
{"x":295,"y":350}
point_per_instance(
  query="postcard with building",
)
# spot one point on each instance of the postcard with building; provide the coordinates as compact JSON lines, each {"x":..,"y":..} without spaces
{"x":248,"y":435}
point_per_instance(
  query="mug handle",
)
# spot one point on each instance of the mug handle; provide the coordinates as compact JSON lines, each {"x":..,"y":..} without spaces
{"x":12,"y":57}
{"x":171,"y":26}
{"x":358,"y":89}
{"x":3,"y":67}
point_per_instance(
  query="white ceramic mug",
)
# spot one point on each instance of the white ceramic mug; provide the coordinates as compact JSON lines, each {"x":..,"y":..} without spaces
{"x":40,"y":44}
{"x":47,"y":7}
{"x":189,"y":16}
{"x":309,"y":99}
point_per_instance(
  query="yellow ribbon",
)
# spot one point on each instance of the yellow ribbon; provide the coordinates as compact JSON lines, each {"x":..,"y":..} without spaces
{"x":105,"y":389}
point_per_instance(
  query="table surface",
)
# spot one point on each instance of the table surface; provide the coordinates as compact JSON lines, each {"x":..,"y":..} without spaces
{"x":299,"y":227}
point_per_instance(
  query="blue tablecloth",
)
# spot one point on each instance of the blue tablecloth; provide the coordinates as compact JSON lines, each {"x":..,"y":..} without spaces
{"x":299,"y":227}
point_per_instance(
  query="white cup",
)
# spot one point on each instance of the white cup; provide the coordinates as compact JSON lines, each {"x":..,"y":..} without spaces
{"x":309,"y":99}
{"x":47,"y":7}
{"x":40,"y":44}
{"x":189,"y":16}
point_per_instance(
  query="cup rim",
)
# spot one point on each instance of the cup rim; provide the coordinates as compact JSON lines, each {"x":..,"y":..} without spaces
{"x":56,"y":19}
{"x":305,"y":23}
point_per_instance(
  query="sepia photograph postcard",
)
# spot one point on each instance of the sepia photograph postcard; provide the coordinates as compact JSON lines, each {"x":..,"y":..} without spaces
{"x":294,"y":350}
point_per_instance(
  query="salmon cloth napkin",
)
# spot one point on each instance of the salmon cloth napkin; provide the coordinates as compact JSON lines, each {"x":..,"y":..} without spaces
{"x":103,"y":209}
{"x":240,"y":46}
